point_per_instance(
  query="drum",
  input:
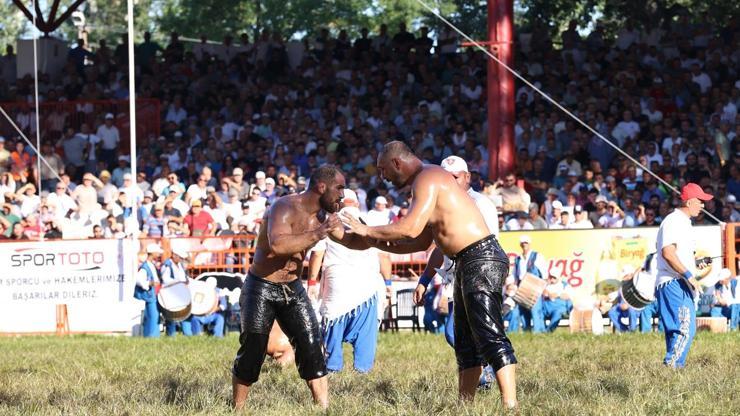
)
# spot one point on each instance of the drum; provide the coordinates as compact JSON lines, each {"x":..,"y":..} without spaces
{"x":204,"y":297}
{"x":639,"y":291}
{"x":530,"y":289}
{"x":712,"y":324}
{"x":174,"y":301}
{"x":586,"y":321}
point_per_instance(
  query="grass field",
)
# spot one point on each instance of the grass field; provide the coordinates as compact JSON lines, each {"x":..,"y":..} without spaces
{"x":559,"y":374}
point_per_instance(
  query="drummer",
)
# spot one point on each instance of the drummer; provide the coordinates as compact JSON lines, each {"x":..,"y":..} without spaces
{"x":555,"y":301}
{"x":533,"y":263}
{"x":173,"y":271}
{"x":216,"y":318}
{"x":622,"y":309}
{"x":146,"y":289}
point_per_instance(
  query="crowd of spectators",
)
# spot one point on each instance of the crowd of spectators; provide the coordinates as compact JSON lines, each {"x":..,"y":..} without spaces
{"x":246,"y":122}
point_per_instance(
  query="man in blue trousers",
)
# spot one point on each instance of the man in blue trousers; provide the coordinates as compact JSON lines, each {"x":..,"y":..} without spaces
{"x":173,"y":270}
{"x":146,"y":282}
{"x":676,"y":284}
{"x":533,"y":263}
{"x":215,"y":320}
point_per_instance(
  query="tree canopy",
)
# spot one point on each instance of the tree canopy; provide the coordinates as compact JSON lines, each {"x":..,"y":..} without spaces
{"x":217,"y":18}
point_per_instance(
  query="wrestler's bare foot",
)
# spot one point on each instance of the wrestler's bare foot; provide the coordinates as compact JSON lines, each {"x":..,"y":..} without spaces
{"x":240,"y":393}
{"x":506,"y":378}
{"x":320,"y":391}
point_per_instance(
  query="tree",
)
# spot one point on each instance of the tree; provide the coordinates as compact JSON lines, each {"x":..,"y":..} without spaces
{"x":12,"y":24}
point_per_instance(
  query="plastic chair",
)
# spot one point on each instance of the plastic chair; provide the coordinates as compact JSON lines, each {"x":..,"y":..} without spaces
{"x":406,"y":310}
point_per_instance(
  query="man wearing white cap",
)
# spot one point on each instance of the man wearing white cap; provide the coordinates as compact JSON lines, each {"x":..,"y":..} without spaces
{"x":349,"y":296}
{"x":727,"y":298}
{"x":380,"y":214}
{"x":533,"y":263}
{"x":147,"y":279}
{"x":459,"y":169}
{"x":173,"y":271}
{"x":109,"y":140}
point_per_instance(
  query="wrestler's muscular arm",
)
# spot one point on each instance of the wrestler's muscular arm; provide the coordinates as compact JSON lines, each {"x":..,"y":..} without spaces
{"x":424,"y":193}
{"x":282,"y":240}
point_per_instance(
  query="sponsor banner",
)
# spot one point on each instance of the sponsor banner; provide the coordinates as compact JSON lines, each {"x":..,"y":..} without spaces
{"x":93,"y":278}
{"x":592,"y":261}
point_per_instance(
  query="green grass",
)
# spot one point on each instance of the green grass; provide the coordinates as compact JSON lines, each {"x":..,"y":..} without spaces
{"x":559,"y":374}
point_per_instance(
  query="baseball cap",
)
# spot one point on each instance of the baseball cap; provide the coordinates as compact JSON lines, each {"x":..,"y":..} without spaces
{"x":148,"y":194}
{"x":301,"y":179}
{"x":270,"y":181}
{"x":178,"y":134}
{"x":610,"y":178}
{"x":245,"y":204}
{"x":381,"y":200}
{"x":127,"y":176}
{"x":104,"y":174}
{"x":557,"y":205}
{"x":109,"y":116}
{"x":351,"y":195}
{"x":2,"y":139}
{"x":692,"y":190}
{"x":454,"y":164}
{"x":259,"y":175}
{"x":600,"y":198}
{"x":525,"y":239}
{"x":196,"y":203}
{"x":154,"y":248}
{"x":577,"y":209}
{"x":237,"y":172}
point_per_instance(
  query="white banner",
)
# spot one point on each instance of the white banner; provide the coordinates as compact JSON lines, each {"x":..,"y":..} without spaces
{"x":93,"y":278}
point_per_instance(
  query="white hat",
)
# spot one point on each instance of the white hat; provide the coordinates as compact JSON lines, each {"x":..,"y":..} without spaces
{"x":454,"y":164}
{"x":381,"y":200}
{"x":109,"y":116}
{"x":352,"y":196}
{"x":601,"y":198}
{"x":557,"y":205}
{"x":127,"y":176}
{"x":260,"y":175}
{"x":237,"y":172}
{"x":525,"y":239}
{"x":153,"y":248}
{"x":180,"y":252}
{"x":270,"y":180}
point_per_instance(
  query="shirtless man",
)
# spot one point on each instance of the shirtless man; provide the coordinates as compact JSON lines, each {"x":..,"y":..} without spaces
{"x":441,"y":211}
{"x":273,"y":290}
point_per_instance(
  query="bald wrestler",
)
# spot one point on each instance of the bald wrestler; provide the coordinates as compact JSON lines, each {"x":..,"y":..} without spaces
{"x":273,"y":291}
{"x":441,"y":211}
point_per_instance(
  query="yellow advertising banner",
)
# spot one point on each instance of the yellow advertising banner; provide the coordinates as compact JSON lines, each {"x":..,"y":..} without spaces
{"x":594,"y":261}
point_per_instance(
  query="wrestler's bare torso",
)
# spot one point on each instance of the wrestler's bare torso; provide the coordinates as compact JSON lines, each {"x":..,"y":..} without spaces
{"x":282,"y":268}
{"x":455,"y":222}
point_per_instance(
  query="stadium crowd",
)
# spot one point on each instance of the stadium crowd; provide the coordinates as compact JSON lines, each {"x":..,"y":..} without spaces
{"x":246,"y":122}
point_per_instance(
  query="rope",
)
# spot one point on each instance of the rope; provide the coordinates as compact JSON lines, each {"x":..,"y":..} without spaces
{"x":556,"y":104}
{"x":38,"y":123}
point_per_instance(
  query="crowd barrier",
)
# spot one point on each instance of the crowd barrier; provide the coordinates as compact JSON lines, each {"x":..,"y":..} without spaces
{"x":87,"y":277}
{"x":54,"y":116}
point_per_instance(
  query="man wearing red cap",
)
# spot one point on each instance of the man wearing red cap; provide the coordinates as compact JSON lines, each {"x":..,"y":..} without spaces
{"x":676,"y":285}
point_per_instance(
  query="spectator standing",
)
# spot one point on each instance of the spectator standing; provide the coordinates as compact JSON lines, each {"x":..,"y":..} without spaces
{"x":110,"y":139}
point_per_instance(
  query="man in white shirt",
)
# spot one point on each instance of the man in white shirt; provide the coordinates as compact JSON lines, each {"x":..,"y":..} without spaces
{"x":349,"y":296}
{"x":727,"y":298}
{"x":613,"y":218}
{"x":173,"y":271}
{"x":380,"y":214}
{"x":582,"y":222}
{"x":676,"y":285}
{"x":109,"y":140}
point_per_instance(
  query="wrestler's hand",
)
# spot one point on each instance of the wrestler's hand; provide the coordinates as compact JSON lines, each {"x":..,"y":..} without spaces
{"x":354,"y":224}
{"x":331,"y":223}
{"x":419,"y":294}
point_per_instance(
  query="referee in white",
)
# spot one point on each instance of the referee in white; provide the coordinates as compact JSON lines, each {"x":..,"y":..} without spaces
{"x":676,"y":285}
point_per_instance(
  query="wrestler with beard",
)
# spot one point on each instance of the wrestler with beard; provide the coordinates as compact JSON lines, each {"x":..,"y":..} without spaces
{"x":273,"y":290}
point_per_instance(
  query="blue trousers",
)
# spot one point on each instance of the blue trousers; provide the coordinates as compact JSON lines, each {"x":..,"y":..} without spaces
{"x":646,"y":318}
{"x":616,"y":314}
{"x":359,"y":328}
{"x":450,"y":325}
{"x":151,"y":320}
{"x":215,"y":318}
{"x":534,"y":318}
{"x":731,"y":312}
{"x":554,"y":311}
{"x":514,"y":317}
{"x":433,"y":321}
{"x":186,"y":326}
{"x":678,"y":315}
